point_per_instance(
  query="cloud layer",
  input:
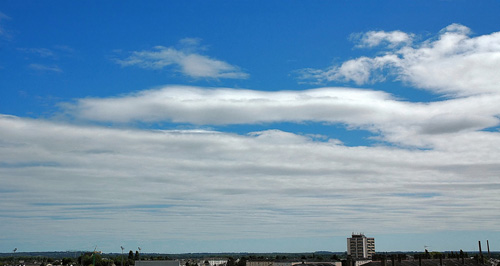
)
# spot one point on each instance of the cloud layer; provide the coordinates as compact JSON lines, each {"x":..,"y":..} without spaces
{"x":435,"y":168}
{"x":214,"y":185}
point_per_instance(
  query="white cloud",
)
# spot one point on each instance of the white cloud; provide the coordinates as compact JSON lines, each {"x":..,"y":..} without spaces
{"x":196,"y":105}
{"x":89,"y":181}
{"x":375,"y":38}
{"x":360,"y":71}
{"x":81,"y":181}
{"x":186,"y":59}
{"x":397,"y":121}
{"x":454,"y":63}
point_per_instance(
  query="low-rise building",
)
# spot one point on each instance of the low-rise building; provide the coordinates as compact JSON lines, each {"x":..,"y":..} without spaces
{"x":214,"y":262}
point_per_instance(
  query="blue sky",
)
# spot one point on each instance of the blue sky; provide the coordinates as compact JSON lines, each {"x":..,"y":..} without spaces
{"x":252,"y":126}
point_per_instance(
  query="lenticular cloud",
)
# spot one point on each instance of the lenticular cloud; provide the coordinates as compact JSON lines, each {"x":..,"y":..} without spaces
{"x":395,"y":120}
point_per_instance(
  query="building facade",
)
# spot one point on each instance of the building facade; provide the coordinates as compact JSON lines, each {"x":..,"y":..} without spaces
{"x":360,"y":247}
{"x":213,"y":262}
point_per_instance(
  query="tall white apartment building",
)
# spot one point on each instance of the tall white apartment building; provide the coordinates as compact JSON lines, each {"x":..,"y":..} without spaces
{"x":360,"y":247}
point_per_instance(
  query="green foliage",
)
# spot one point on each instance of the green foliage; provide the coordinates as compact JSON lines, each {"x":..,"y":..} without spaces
{"x":88,"y":259}
{"x":436,"y":255}
{"x":231,"y":262}
{"x":67,"y":261}
{"x":118,"y":260}
{"x":242,"y":261}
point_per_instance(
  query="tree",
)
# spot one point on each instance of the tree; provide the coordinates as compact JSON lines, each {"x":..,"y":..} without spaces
{"x":131,"y":255}
{"x":242,"y":261}
{"x":85,"y":260}
{"x":230,"y":262}
{"x":117,"y":260}
{"x":136,"y":257}
{"x":66,"y":261}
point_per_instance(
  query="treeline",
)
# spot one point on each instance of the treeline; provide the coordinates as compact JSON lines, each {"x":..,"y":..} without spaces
{"x":425,"y":255}
{"x":85,"y":259}
{"x":96,"y":259}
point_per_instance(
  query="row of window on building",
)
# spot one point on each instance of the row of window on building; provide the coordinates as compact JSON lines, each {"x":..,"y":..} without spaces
{"x":360,"y":247}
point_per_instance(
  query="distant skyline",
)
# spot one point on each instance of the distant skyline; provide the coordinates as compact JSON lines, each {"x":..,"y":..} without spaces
{"x":249,"y":126}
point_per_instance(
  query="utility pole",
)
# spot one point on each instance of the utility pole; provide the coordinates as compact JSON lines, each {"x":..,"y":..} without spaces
{"x":488,"y":244}
{"x":14,"y":256}
{"x":93,"y":255}
{"x":122,"y":254}
{"x":480,"y":252}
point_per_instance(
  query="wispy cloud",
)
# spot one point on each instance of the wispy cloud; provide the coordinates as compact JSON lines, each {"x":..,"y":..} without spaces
{"x":3,"y":32}
{"x":3,"y":16}
{"x":186,"y":60}
{"x":46,"y":58}
{"x":375,"y":38}
{"x":453,"y":63}
{"x":361,"y":71}
{"x":45,"y":68}
{"x":41,"y":52}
